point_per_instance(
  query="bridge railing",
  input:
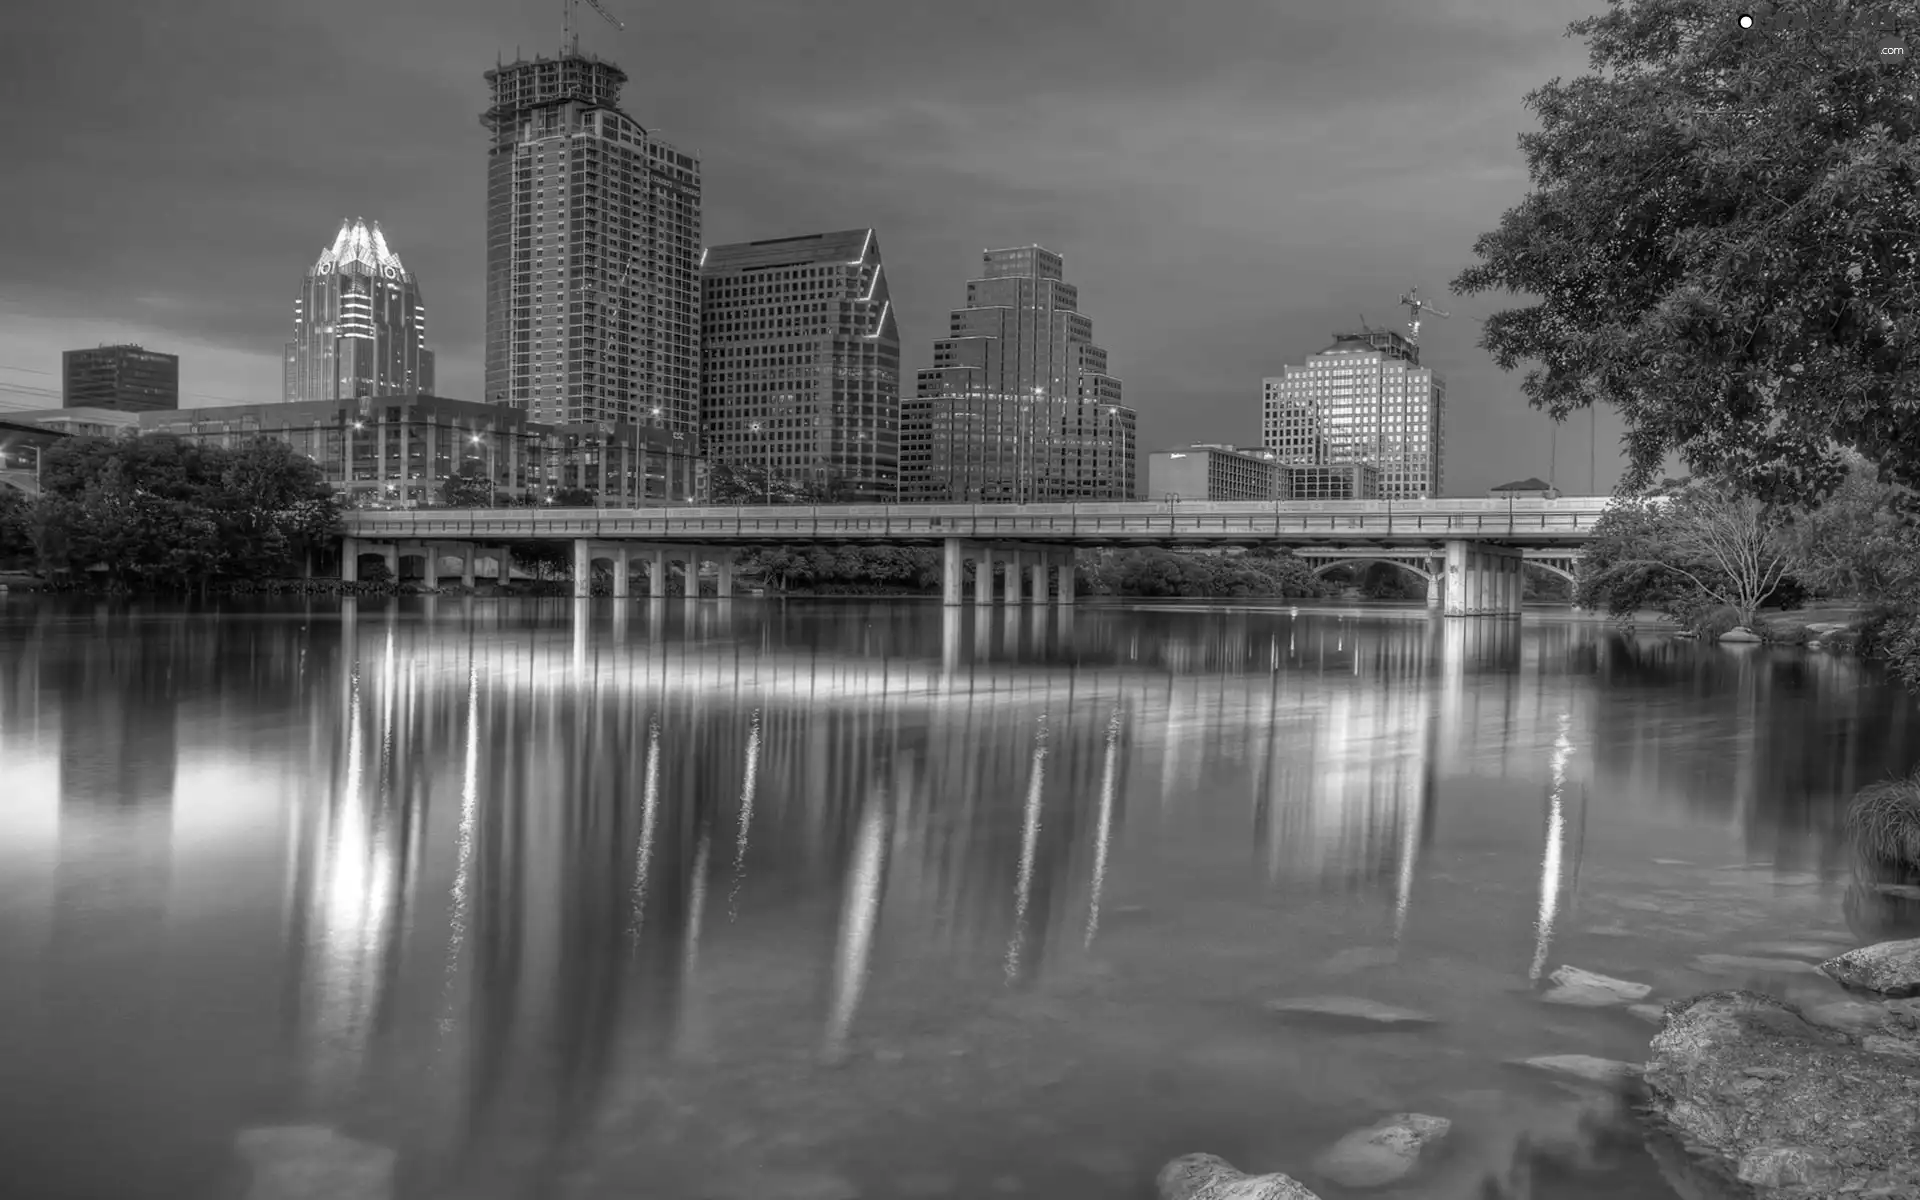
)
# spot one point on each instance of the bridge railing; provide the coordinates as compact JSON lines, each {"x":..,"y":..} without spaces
{"x":1216,"y":520}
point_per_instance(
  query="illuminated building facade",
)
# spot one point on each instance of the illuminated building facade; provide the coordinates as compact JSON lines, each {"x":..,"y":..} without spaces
{"x":123,"y":378}
{"x":593,"y":248}
{"x":1018,"y":405}
{"x":359,"y":325}
{"x":800,"y":362}
{"x":1364,"y":399}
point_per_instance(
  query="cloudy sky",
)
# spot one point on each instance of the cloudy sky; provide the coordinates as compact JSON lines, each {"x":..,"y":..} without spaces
{"x":1230,"y":180}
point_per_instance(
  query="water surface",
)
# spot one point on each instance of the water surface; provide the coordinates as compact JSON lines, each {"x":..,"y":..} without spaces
{"x":701,"y":898}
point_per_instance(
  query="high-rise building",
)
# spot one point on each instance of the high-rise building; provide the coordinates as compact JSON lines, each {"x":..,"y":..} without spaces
{"x":359,"y":326}
{"x":122,"y":378}
{"x":1364,"y":399}
{"x":1018,"y":405}
{"x":593,"y":254}
{"x":800,"y":372}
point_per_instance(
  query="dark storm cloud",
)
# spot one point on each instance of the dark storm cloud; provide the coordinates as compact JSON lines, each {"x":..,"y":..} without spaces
{"x":1229,"y":181}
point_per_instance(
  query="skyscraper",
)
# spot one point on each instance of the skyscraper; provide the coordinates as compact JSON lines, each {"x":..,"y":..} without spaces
{"x":359,"y":327}
{"x":1364,"y":399}
{"x":800,"y":370}
{"x":593,"y":248}
{"x":1018,"y":405}
{"x":126,"y":378}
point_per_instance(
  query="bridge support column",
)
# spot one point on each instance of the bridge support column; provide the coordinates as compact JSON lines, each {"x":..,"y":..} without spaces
{"x":582,"y":568}
{"x":1066,"y":578}
{"x":1015,"y":560}
{"x":468,"y":551}
{"x":1037,"y":582}
{"x":953,"y":573}
{"x":349,"y":560}
{"x":657,"y":574}
{"x":622,"y":564}
{"x":1436,"y":585}
{"x":390,"y":554}
{"x":723,"y":574}
{"x":1481,"y":580}
{"x":504,"y":563}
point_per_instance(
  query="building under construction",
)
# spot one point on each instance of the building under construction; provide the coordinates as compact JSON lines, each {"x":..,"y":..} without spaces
{"x":1364,"y":399}
{"x":593,"y":251}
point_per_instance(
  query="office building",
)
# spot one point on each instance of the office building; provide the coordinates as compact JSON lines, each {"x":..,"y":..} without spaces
{"x":399,"y":451}
{"x":82,"y":422}
{"x":1218,"y":471}
{"x":800,"y":363}
{"x":359,"y":325}
{"x":1018,"y":405}
{"x":1364,"y":399}
{"x":593,"y":249}
{"x":123,"y":378}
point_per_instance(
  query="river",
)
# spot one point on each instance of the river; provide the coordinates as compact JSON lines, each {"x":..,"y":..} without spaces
{"x":821,"y":899}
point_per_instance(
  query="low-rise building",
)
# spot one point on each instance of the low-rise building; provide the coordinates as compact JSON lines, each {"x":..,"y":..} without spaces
{"x":1222,"y":471}
{"x":81,"y":422}
{"x":1530,"y":488}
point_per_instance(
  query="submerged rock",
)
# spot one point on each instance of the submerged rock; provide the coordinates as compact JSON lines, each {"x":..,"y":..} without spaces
{"x":1652,"y":1014}
{"x":1571,"y":985}
{"x":1849,"y":1016}
{"x":314,"y":1162}
{"x":1812,"y":949}
{"x":1209,"y":1177}
{"x":1890,"y":968}
{"x":1580,"y":1066}
{"x":1740,"y":964}
{"x":1383,"y":1152}
{"x":1755,"y":1092}
{"x":1360,"y":958}
{"x":1350,"y":1010}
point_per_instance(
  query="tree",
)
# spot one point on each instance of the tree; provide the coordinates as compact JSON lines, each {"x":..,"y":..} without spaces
{"x":468,"y":487}
{"x":1861,"y":543}
{"x":572,"y":497}
{"x":1724,"y":234}
{"x":16,"y":525}
{"x":1708,"y":545}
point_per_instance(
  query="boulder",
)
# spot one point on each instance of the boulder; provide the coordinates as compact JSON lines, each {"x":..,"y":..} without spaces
{"x":1349,"y":1011}
{"x":1382,"y":1153}
{"x":1586,"y":989}
{"x":314,"y":1162}
{"x":1740,"y":633}
{"x":1207,"y":1177}
{"x":1754,"y":1092}
{"x":1890,"y":968}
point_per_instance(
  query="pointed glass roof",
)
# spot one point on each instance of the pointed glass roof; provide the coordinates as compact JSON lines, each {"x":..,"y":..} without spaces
{"x":357,"y":244}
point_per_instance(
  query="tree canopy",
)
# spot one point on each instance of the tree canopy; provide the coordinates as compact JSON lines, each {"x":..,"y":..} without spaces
{"x":1724,"y":236}
{"x":1705,"y":546}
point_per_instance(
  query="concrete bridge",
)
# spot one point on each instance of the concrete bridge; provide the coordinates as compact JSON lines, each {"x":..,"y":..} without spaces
{"x":1471,"y":552}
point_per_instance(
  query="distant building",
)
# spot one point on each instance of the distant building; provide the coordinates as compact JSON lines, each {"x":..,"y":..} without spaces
{"x":1530,"y":488}
{"x":359,"y":324}
{"x":1211,"y":471}
{"x":800,"y":362}
{"x":398,"y":451}
{"x":593,"y":253}
{"x":126,"y":378}
{"x":81,"y":422}
{"x":1018,"y":405}
{"x":1334,"y":481}
{"x":1364,"y":399}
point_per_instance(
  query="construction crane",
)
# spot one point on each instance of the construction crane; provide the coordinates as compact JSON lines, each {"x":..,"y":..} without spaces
{"x":570,"y":36}
{"x":1415,"y":306}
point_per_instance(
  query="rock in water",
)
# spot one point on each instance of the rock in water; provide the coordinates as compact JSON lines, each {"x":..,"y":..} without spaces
{"x":1740,"y":634}
{"x":1207,"y":1177}
{"x":1581,"y":1066}
{"x":1890,"y":968}
{"x":1383,"y":1152}
{"x":313,"y":1162}
{"x":1349,"y":1010}
{"x":1742,"y":964}
{"x":1790,"y":1109}
{"x":1586,"y":989}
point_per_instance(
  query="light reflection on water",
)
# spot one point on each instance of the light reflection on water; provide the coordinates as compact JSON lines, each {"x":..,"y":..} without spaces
{"x":556,"y":897}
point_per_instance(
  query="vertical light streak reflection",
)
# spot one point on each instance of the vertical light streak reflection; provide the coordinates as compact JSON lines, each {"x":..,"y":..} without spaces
{"x":1029,"y":843}
{"x":1103,"y":831}
{"x":649,"y":818}
{"x":1551,"y":859}
{"x":463,"y":863}
{"x":1410,"y":831}
{"x":746,"y":816}
{"x":859,"y":918}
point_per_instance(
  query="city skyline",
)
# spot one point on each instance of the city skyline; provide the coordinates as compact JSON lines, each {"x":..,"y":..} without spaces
{"x":1233,"y":215}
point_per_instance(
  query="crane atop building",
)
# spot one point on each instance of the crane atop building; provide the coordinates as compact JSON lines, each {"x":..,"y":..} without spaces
{"x":1415,"y":306}
{"x":569,"y":35}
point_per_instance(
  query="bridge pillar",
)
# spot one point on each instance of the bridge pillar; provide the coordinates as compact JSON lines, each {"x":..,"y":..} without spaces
{"x":1015,"y":560}
{"x":1436,"y":586}
{"x":1066,"y":577}
{"x":1037,"y":577}
{"x":657,"y":574}
{"x":349,"y":560}
{"x":1480,"y":580}
{"x":504,"y":564}
{"x":622,"y":564}
{"x":953,"y":571}
{"x":723,"y":574}
{"x":390,"y":554}
{"x":468,"y":551}
{"x":582,"y":568}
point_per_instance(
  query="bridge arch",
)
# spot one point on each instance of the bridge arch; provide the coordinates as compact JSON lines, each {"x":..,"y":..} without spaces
{"x":1321,"y":568}
{"x":1552,"y":568}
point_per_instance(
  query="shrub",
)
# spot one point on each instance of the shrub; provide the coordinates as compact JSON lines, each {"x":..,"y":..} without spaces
{"x":1902,"y":652}
{"x":1883,"y":823}
{"x":376,"y":571}
{"x":1710,"y":623}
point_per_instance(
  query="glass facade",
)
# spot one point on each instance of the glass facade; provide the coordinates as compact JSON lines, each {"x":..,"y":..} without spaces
{"x":801,"y":362}
{"x":359,"y":325}
{"x":124,"y":378}
{"x":593,"y":247}
{"x":1364,"y":399}
{"x":1017,"y":406}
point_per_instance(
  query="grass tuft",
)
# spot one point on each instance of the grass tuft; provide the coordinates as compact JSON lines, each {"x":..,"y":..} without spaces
{"x":1884,"y":822}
